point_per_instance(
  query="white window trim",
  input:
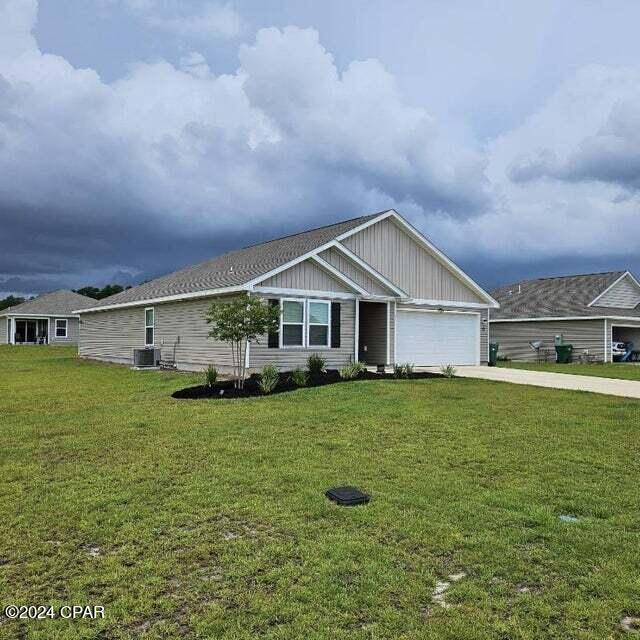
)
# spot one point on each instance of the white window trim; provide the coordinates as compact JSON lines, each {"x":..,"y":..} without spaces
{"x":327,"y":303}
{"x":303,"y":323}
{"x":149,"y":326}
{"x":66,"y":328}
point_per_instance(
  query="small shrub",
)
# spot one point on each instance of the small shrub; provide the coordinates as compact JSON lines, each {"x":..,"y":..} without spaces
{"x":300,"y":377}
{"x":315,"y":364}
{"x":268,"y":379}
{"x":403,"y":370}
{"x":210,"y":376}
{"x":502,"y":358}
{"x":448,"y":371}
{"x":352,"y":370}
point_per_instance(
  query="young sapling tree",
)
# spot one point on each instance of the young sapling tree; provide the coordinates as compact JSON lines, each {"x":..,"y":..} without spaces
{"x":239,"y":322}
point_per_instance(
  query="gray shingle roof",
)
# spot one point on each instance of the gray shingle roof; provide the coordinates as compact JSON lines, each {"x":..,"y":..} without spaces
{"x":236,"y":267}
{"x":566,"y":296}
{"x":57,"y":303}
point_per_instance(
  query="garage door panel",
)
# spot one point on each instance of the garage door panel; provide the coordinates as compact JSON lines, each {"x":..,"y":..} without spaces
{"x":434,"y":339}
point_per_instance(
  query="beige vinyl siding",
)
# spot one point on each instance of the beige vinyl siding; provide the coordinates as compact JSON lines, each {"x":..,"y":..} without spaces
{"x":73,"y":331}
{"x":514,"y":337}
{"x":290,"y":358}
{"x":373,"y":333}
{"x":624,"y":295}
{"x":4,"y":337}
{"x":484,"y":324}
{"x":306,"y":275}
{"x":338,"y":260}
{"x":398,"y":257}
{"x":181,"y":332}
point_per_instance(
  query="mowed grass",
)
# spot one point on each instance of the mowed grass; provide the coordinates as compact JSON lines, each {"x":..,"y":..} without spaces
{"x":207,"y":519}
{"x":622,"y":370}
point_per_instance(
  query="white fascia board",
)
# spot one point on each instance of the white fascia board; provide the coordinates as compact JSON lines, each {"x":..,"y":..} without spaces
{"x":441,"y":257}
{"x":339,"y":275}
{"x":612,"y":285}
{"x":559,"y":318}
{"x":40,"y":316}
{"x":305,"y":293}
{"x":368,"y":269}
{"x":449,"y":303}
{"x":173,"y":298}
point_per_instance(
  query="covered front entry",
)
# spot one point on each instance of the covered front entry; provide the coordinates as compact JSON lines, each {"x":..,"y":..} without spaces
{"x":434,"y":338}
{"x":30,"y":331}
{"x":373,"y":333}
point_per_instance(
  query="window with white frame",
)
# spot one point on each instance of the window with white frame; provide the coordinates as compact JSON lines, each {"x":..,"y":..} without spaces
{"x":149,"y":326}
{"x":292,"y":323}
{"x":61,"y":328}
{"x":318,"y":327}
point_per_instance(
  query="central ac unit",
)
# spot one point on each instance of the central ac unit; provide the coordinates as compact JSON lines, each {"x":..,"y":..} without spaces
{"x":149,"y":357}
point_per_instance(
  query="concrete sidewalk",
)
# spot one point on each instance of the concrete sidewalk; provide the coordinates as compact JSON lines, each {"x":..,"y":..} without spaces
{"x":607,"y":386}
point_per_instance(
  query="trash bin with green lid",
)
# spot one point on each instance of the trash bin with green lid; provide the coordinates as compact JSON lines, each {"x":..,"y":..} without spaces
{"x":493,"y":353}
{"x":563,"y":353}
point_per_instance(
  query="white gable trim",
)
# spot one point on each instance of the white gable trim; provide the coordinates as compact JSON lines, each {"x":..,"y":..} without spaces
{"x":339,"y":275}
{"x":287,"y":265}
{"x":611,"y":286}
{"x":426,"y":244}
{"x":323,"y":264}
{"x":369,"y":269}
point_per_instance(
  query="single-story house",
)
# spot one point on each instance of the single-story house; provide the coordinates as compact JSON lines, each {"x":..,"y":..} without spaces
{"x":372,"y":289}
{"x":51,"y":318}
{"x":589,"y":311}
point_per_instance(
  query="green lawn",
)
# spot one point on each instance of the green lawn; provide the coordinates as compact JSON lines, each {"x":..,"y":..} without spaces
{"x":207,"y":519}
{"x":610,"y":370}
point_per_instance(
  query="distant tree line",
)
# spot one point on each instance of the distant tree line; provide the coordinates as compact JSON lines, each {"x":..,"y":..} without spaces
{"x":11,"y":301}
{"x":105,"y":292}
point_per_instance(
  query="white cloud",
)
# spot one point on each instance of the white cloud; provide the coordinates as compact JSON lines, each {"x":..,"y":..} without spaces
{"x":214,"y":20}
{"x":565,"y":181}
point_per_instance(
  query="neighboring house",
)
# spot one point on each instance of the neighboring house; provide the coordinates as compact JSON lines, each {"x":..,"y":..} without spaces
{"x":372,"y":288}
{"x":48,"y":319}
{"x":589,"y":311}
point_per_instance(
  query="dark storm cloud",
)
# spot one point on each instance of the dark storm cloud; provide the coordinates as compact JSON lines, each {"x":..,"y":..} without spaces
{"x":171,"y":163}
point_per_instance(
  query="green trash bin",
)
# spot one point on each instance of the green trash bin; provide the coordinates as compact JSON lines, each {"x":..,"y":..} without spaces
{"x":563,"y":353}
{"x":493,"y":353}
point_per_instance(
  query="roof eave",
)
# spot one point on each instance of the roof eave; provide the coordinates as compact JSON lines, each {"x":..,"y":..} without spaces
{"x":207,"y":293}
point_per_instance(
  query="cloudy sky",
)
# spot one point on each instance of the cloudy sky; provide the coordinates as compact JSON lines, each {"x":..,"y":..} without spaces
{"x":137,"y":136}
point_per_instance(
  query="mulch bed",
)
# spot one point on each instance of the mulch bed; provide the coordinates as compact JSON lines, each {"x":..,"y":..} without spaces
{"x":225,"y":391}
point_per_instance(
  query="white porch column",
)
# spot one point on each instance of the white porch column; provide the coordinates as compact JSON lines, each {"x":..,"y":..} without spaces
{"x":356,"y":333}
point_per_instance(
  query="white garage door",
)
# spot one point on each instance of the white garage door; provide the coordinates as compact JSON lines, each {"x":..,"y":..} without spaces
{"x":430,"y":339}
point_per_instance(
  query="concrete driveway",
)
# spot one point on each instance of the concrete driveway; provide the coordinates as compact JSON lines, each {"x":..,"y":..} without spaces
{"x":608,"y":386}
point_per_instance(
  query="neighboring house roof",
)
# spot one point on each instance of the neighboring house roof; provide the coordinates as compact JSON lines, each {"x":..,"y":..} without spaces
{"x":559,"y":297}
{"x":241,"y":269}
{"x":57,"y":303}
